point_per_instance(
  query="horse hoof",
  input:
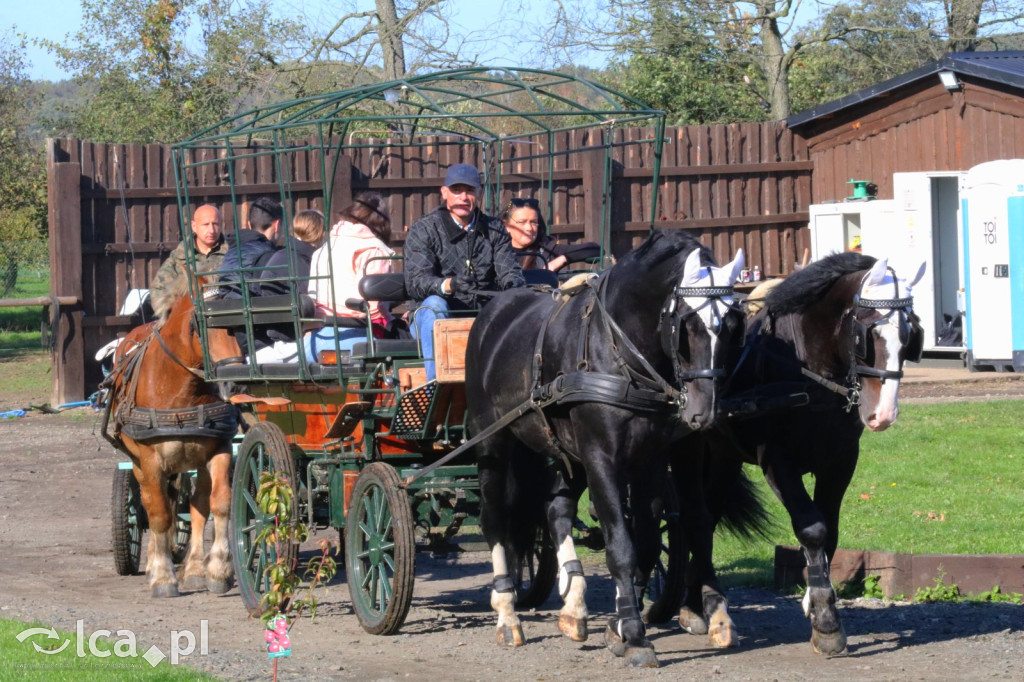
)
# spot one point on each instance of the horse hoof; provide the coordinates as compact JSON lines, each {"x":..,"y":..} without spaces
{"x":722,"y":631}
{"x":723,"y":636}
{"x":165,"y":590}
{"x":614,"y":642}
{"x":830,"y":644}
{"x":641,"y":657}
{"x":691,"y":622}
{"x":193,"y":583}
{"x":573,"y":628}
{"x":218,"y":586}
{"x":511,"y":635}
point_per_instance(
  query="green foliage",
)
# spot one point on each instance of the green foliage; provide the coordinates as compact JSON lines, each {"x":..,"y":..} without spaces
{"x":872,"y":587}
{"x":275,"y":497}
{"x":146,"y":78}
{"x":876,"y":41}
{"x":676,"y":61}
{"x":940,"y":592}
{"x":22,"y":169}
{"x":868,"y":587}
{"x":997,"y":595}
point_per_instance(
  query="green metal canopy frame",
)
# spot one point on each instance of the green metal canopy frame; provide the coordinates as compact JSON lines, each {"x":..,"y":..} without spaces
{"x":482,"y":106}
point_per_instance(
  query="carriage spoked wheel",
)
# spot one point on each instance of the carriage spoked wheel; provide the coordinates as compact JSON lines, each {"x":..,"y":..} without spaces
{"x":128,"y":522}
{"x":666,"y":584}
{"x":380,"y":550}
{"x":264,"y":449}
{"x":129,"y":519}
{"x":537,"y":572}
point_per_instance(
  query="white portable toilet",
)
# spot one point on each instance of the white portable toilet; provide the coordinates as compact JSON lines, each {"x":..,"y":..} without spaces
{"x":920,"y":224}
{"x":992,"y":218}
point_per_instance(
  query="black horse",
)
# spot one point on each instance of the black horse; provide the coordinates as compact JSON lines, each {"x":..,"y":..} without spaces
{"x":823,"y":359}
{"x":595,"y":383}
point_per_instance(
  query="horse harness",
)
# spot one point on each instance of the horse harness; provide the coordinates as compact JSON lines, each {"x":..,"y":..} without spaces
{"x":910,"y":334}
{"x":216,"y":419}
{"x":643,"y":391}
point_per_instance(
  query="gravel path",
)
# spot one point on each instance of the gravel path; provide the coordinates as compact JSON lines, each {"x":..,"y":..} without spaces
{"x":58,"y":568}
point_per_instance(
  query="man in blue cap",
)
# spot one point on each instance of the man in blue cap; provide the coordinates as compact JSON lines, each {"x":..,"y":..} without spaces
{"x":453,"y":252}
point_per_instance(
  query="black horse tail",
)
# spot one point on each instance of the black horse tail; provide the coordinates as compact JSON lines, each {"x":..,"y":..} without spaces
{"x":735,"y":500}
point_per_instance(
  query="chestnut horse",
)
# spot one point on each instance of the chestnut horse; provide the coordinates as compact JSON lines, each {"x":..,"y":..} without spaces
{"x":168,"y":420}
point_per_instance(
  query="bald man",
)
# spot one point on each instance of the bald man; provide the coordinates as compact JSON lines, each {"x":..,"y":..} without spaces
{"x":209,"y":250}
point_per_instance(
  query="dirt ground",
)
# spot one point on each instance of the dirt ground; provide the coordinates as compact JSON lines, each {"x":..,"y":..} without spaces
{"x":58,"y":568}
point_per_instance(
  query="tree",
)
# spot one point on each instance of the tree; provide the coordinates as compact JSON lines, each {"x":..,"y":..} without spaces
{"x":763,"y":40}
{"x":148,"y":77}
{"x":684,"y":71}
{"x":22,"y":172}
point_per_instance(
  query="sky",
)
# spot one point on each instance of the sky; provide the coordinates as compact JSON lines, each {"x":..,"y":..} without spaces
{"x":60,"y":18}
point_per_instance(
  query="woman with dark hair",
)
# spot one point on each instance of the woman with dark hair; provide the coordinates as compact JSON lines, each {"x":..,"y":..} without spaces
{"x":357,"y":246}
{"x":530,"y":238}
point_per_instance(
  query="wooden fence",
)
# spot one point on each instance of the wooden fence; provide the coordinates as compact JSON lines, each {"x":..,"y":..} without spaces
{"x":114,"y":208}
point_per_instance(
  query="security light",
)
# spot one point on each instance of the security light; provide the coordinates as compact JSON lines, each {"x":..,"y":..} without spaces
{"x":949,"y":80}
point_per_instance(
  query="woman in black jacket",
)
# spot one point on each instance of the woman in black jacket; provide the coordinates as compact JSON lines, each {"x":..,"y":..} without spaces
{"x":526,"y":227}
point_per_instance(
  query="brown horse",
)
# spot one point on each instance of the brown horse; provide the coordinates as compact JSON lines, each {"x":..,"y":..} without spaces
{"x":168,"y":420}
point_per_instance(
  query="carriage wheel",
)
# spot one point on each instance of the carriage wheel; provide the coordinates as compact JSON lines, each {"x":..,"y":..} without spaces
{"x":263,"y":449}
{"x":380,"y":550}
{"x":666,"y":585}
{"x":537,"y":572}
{"x":129,"y":520}
{"x":182,"y":517}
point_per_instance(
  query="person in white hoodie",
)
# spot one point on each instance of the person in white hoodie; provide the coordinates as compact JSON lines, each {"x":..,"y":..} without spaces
{"x":357,"y":246}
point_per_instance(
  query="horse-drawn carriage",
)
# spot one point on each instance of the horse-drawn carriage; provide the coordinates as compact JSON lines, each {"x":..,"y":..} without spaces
{"x":603,"y":379}
{"x":367,"y":442}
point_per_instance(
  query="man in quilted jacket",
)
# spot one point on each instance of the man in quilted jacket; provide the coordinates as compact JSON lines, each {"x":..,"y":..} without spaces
{"x":454,"y":252}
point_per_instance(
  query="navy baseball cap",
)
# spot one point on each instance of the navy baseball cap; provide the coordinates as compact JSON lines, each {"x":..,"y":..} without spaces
{"x":462,"y":174}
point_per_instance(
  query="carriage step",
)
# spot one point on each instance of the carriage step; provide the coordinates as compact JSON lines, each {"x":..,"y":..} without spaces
{"x":413,"y":414}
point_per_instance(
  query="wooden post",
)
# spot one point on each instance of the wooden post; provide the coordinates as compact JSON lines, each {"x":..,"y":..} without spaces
{"x":592,"y":166}
{"x":65,"y":206}
{"x":341,"y":188}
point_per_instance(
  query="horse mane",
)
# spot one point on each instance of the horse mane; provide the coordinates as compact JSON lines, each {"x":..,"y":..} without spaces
{"x":663,"y":245}
{"x":809,"y":285}
{"x":163,"y":303}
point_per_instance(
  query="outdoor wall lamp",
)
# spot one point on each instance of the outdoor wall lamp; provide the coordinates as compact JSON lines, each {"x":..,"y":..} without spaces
{"x":949,"y":80}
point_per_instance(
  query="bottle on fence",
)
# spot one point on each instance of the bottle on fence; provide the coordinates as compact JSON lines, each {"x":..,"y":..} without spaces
{"x":757,"y":273}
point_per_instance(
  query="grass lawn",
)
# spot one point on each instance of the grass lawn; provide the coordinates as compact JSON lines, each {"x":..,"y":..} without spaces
{"x":21,"y":661}
{"x":943,"y":479}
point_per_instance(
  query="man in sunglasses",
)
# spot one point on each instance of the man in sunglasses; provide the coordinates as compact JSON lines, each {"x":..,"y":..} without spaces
{"x":452,"y":254}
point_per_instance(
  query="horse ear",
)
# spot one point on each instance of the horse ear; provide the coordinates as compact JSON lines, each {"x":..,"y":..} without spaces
{"x":918,"y":276}
{"x":877,"y":274}
{"x":691,"y":271}
{"x":733,"y":269}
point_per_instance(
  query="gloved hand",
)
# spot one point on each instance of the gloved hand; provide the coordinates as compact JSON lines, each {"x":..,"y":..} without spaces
{"x":463,"y":285}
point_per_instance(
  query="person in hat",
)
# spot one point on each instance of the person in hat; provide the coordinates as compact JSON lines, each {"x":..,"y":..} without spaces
{"x":451,"y":254}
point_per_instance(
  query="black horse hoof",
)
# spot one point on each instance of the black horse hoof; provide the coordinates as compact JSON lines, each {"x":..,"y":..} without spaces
{"x":830,"y":644}
{"x":641,"y":657}
{"x":614,"y":642}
